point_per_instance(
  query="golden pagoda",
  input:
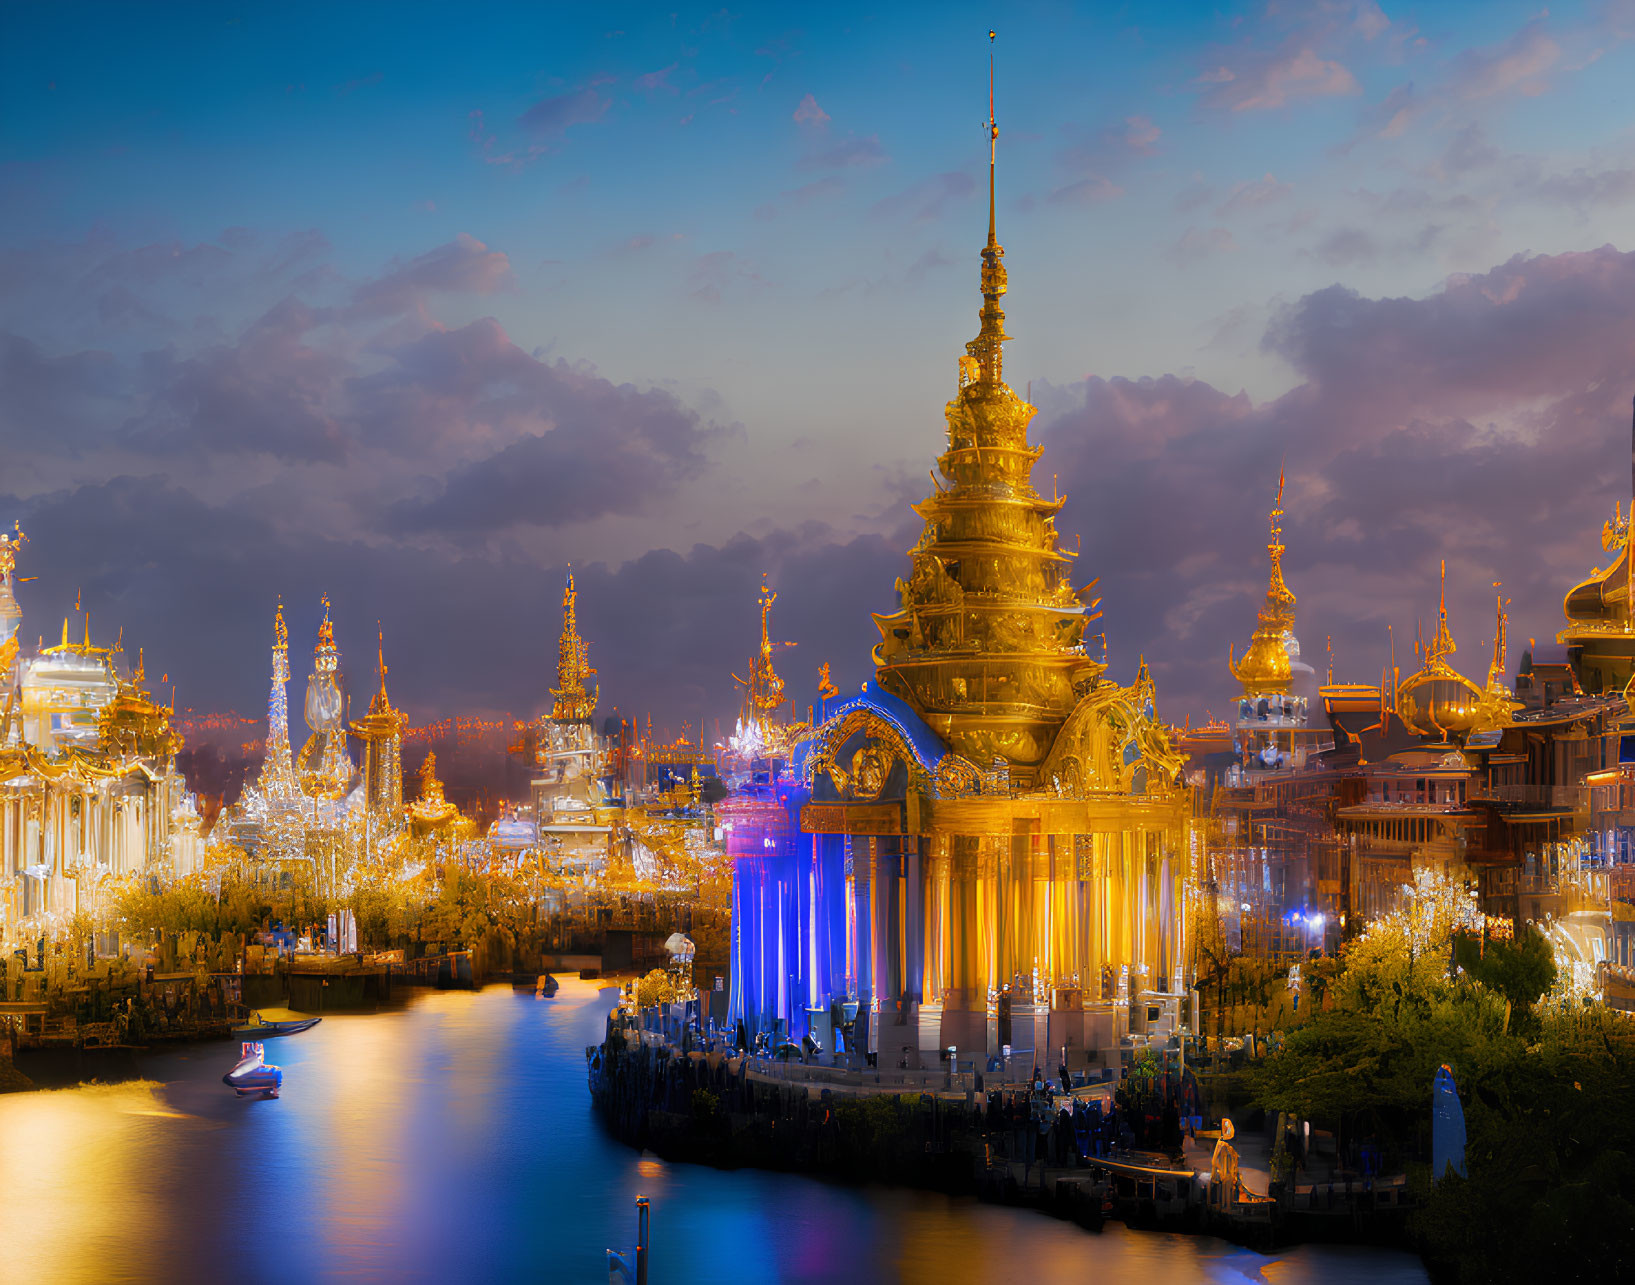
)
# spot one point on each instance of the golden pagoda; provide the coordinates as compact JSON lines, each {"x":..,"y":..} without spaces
{"x":431,"y":812}
{"x":1265,"y":668}
{"x":381,"y":731}
{"x":1439,"y":700}
{"x":990,"y":831}
{"x":1600,"y":610}
{"x":987,"y":643}
{"x":574,"y":702}
{"x":134,"y":725}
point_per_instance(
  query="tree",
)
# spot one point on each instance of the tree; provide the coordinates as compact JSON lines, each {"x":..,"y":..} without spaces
{"x":655,"y":989}
{"x":1520,"y":970}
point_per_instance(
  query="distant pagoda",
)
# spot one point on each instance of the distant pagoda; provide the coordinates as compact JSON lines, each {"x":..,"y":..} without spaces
{"x":381,"y":731}
{"x":573,"y":702}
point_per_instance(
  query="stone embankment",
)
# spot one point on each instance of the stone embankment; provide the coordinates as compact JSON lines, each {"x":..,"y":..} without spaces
{"x":1010,"y":1145}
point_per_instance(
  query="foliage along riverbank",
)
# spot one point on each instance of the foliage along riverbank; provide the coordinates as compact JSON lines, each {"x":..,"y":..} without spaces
{"x":1548,"y":1095}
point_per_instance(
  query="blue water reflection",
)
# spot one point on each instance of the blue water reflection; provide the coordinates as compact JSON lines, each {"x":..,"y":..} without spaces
{"x":452,"y":1140}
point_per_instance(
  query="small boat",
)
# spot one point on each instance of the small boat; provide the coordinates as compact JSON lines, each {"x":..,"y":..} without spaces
{"x":546,"y":986}
{"x":261,"y":1029}
{"x":252,"y":1075}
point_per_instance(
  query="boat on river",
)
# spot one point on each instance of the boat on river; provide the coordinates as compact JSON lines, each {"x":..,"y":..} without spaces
{"x":261,"y":1029}
{"x":252,"y":1075}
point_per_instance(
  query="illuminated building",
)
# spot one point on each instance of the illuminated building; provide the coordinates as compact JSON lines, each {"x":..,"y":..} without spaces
{"x":431,"y":813}
{"x":983,"y":847}
{"x":89,"y":792}
{"x":1276,"y":686}
{"x":304,"y":810}
{"x":571,"y":757}
{"x":381,"y":731}
{"x":325,"y":766}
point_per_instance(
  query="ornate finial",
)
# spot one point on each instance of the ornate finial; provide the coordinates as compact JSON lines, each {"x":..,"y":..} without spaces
{"x":141,"y":668}
{"x":380,"y":703}
{"x":281,"y":633}
{"x":764,"y":687}
{"x":1501,"y":628}
{"x":1442,"y":645}
{"x":987,"y":349}
{"x":326,"y":631}
{"x":9,"y":545}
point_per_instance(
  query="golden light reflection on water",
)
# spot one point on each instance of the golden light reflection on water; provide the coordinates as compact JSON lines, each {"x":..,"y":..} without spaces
{"x":88,"y":1144}
{"x":453,"y":1141}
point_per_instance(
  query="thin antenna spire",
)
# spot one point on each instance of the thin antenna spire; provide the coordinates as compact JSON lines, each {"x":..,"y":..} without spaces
{"x":993,"y":157}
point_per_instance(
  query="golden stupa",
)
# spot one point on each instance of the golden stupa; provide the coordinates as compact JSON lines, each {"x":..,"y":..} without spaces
{"x":1439,"y":700}
{"x":133,"y":724}
{"x":1265,"y":668}
{"x":1014,"y":814}
{"x":987,"y":643}
{"x":431,"y":813}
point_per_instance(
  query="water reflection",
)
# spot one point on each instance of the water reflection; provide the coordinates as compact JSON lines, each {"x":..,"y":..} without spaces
{"x":452,"y":1140}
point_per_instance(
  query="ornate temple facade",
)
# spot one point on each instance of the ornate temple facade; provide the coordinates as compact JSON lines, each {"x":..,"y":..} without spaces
{"x":985,"y":847}
{"x":381,"y":731}
{"x":1519,"y":797}
{"x":569,"y":794}
{"x":313,"y":809}
{"x":89,"y":792}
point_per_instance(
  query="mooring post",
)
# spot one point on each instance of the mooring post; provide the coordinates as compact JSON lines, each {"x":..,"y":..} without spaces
{"x":642,"y":1215}
{"x":618,"y":1264}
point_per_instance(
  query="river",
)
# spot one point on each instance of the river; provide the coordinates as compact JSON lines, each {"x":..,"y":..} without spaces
{"x":452,"y":1140}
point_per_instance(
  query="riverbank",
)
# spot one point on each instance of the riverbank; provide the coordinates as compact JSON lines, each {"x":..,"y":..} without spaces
{"x":1009,"y":1144}
{"x":102,"y":1029}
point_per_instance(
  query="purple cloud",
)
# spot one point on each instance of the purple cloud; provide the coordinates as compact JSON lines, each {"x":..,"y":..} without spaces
{"x":553,"y":117}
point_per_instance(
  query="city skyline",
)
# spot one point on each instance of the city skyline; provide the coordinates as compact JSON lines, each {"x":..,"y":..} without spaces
{"x":415,"y":321}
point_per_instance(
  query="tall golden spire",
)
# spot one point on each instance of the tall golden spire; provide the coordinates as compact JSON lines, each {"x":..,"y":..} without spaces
{"x":575,"y":702}
{"x":988,"y":348}
{"x":1265,"y":668}
{"x":381,"y":731}
{"x":764,"y":687}
{"x":380,"y":703}
{"x":1442,"y":645}
{"x":1496,"y":670}
{"x":988,"y":642}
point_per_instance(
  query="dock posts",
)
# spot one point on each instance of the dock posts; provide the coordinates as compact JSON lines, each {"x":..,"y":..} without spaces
{"x":619,"y":1262}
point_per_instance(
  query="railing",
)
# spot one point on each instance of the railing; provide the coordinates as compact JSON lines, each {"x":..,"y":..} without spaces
{"x":1575,"y":797}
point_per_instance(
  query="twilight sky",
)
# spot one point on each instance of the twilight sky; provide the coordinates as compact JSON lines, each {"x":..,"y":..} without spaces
{"x":412,"y":305}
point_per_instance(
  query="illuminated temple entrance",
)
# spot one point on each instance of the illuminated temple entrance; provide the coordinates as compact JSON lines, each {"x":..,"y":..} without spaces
{"x":985,"y":847}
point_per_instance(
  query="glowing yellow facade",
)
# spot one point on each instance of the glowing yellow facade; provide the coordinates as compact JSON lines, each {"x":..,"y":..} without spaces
{"x":990,"y":845}
{"x":381,"y":731}
{"x":89,"y":792}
